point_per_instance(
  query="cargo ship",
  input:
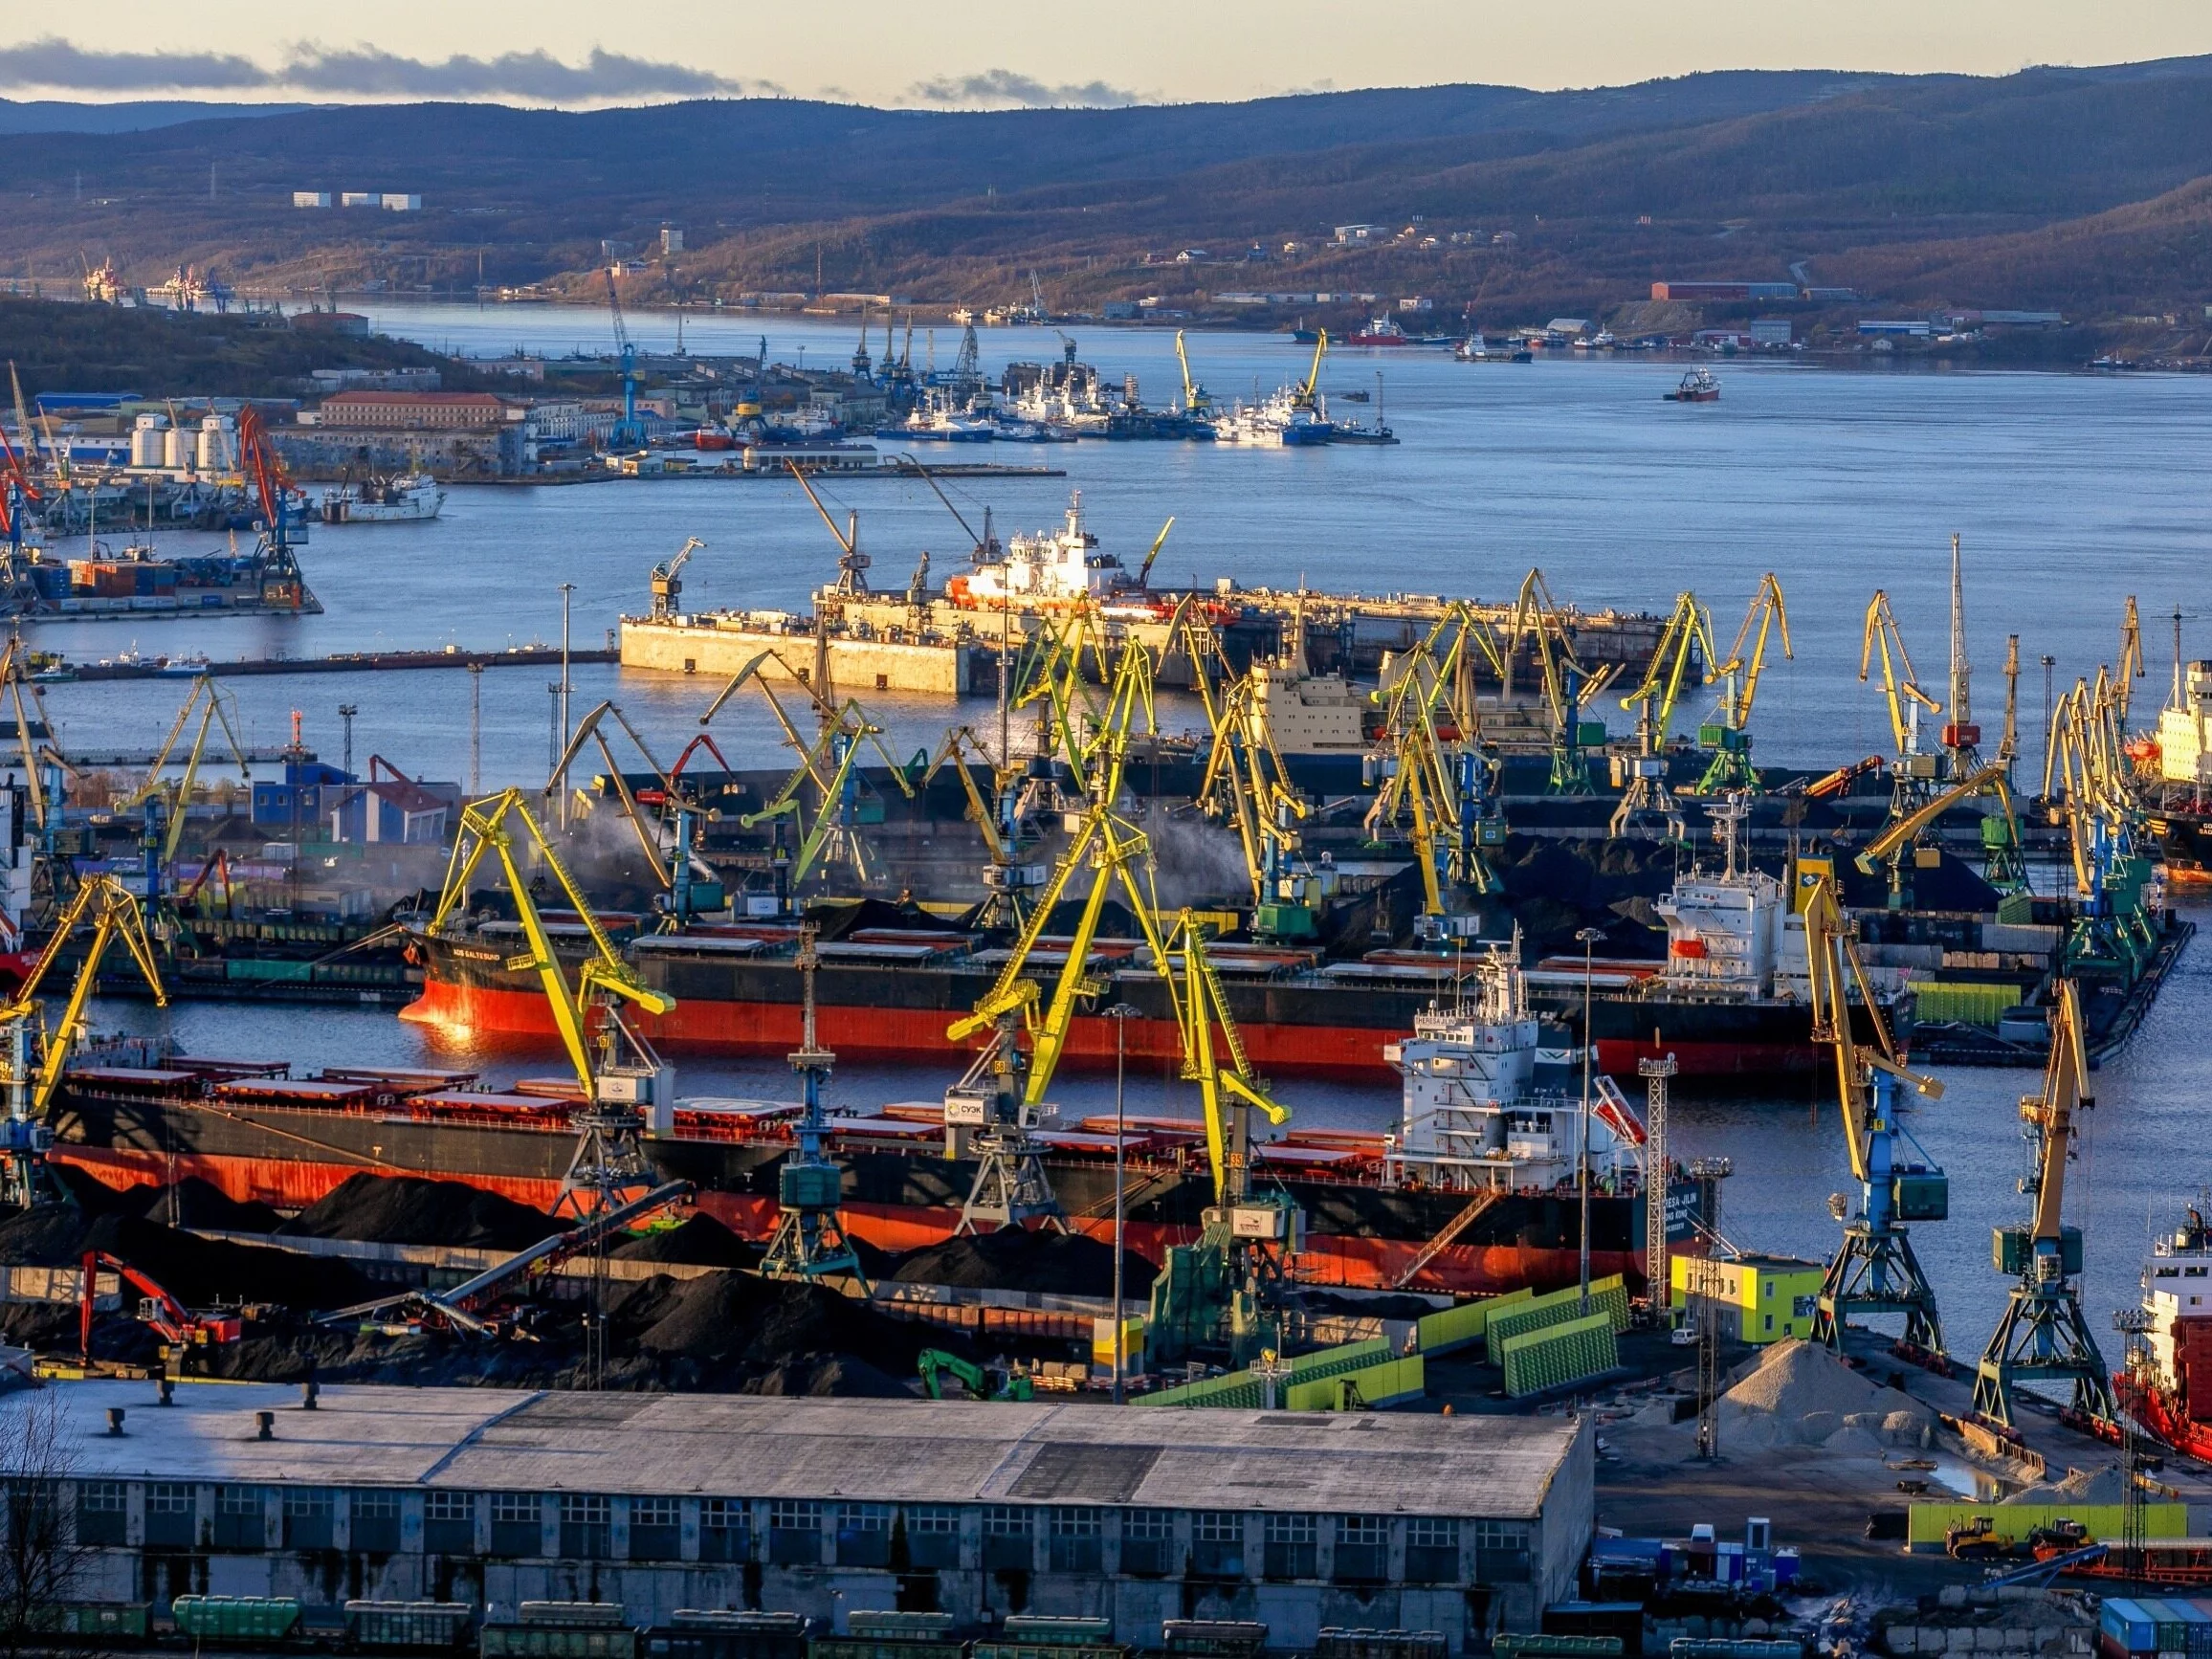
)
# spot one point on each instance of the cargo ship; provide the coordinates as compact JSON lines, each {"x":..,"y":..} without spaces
{"x":2166,"y":1385}
{"x":1730,"y":999}
{"x":1472,"y":1193}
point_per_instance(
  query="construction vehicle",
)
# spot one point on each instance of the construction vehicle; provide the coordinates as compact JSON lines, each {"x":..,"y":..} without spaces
{"x":1685,"y":641}
{"x":1727,"y":736}
{"x":37,"y":1052}
{"x":627,"y":1092}
{"x":628,"y":432}
{"x":157,"y":1308}
{"x":2042,"y":1336}
{"x":934,"y":1365}
{"x":1874,"y":1270}
{"x":668,"y":583}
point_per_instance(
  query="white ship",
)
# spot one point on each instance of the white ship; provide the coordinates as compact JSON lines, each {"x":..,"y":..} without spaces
{"x":1047,"y":571}
{"x":1489,"y":1105}
{"x":1281,"y":422}
{"x":407,"y":499}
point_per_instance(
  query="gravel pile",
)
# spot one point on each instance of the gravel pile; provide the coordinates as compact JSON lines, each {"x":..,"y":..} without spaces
{"x":1801,"y":1394}
{"x":407,"y":1210}
{"x":698,"y":1241}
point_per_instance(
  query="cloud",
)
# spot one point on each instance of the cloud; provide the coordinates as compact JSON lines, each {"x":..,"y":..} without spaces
{"x":362,"y":71}
{"x":1003,"y":87}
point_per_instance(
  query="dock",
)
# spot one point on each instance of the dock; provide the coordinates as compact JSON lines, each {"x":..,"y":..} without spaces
{"x":344,"y":662}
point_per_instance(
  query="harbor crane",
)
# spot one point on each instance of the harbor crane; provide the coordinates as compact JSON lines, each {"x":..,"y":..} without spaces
{"x":164,"y":804}
{"x":1874,"y":1270}
{"x":1307,"y":393}
{"x":1009,"y":885}
{"x":282,"y":588}
{"x":851,"y":563}
{"x":1685,"y":641}
{"x":1727,"y":736}
{"x":1900,"y":839}
{"x":809,"y":1240}
{"x":628,"y":432}
{"x":36,"y":1053}
{"x":627,"y":1093}
{"x":668,"y":583}
{"x":2041,"y":1337}
{"x":1914,"y":772}
{"x":2086,"y":788}
{"x":994,"y":1107}
{"x":1540,"y":625}
{"x":1197,"y":401}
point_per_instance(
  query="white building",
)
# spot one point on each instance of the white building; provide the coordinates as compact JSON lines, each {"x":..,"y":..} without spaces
{"x":360,"y":199}
{"x":311,"y":198}
{"x":402,"y":201}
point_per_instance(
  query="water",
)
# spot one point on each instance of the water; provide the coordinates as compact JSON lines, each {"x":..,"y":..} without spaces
{"x":2071,"y":491}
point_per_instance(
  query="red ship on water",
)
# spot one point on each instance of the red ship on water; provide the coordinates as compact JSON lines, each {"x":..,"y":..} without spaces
{"x":1380,"y":331}
{"x":2167,"y":1383}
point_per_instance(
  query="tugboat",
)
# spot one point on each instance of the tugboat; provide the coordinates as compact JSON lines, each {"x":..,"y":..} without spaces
{"x":1697,"y":387}
{"x":2167,"y":1384}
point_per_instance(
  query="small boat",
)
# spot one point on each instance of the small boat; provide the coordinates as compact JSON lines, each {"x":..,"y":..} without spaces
{"x":1697,"y":387}
{"x":714,"y":438}
{"x":410,"y":498}
{"x":184,"y":667}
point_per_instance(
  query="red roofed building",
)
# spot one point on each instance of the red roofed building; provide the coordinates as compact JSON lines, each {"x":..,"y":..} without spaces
{"x":418,"y":410}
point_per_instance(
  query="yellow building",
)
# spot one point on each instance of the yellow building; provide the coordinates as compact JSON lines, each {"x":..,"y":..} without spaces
{"x":1757,"y":1298}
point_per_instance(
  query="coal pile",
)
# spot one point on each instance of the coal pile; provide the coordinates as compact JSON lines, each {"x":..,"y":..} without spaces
{"x":1016,"y":1259}
{"x":410,"y":1210}
{"x":193,"y":1203}
{"x":700,"y":1241}
{"x":204,"y":1273}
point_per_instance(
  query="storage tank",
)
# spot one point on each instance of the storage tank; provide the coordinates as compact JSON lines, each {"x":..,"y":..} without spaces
{"x":145,"y":440}
{"x":218,"y":444}
{"x":177,"y":450}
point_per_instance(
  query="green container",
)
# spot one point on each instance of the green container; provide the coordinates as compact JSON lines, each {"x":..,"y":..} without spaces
{"x":1970,"y":1003}
{"x":1558,"y":1355}
{"x":265,"y":970}
{"x":1284,"y":921}
{"x":1924,"y":1195}
{"x":379,"y":1625}
{"x":236,"y":1618}
{"x":2012,"y":1248}
{"x":1996,"y":830}
{"x":1590,"y":734}
{"x":114,"y":1621}
{"x":556,"y":1642}
{"x":810,"y":1185}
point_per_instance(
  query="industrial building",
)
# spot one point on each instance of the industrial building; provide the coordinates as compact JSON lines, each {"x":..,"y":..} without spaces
{"x":1755,"y":1298}
{"x":825,"y":1507}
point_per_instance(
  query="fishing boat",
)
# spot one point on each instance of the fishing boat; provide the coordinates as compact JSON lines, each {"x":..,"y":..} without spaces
{"x":410,"y":498}
{"x":1697,"y":387}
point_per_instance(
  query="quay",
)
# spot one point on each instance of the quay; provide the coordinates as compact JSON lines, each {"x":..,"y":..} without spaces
{"x":342,"y":662}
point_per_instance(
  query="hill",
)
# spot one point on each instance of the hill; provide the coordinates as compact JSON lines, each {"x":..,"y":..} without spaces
{"x":1910,"y":187}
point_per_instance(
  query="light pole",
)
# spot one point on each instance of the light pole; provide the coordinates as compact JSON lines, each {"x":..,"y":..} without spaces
{"x":1119,"y":1013}
{"x":1589,"y":936}
{"x":566,"y":588}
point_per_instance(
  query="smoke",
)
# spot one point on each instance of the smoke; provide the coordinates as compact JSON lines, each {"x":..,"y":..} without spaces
{"x":1198,"y":863}
{"x":1006,"y":88}
{"x":364,"y":71}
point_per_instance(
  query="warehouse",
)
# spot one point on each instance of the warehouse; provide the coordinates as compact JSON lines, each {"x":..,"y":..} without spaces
{"x":824,"y":1506}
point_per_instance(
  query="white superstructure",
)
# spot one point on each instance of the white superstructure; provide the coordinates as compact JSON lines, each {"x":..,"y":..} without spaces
{"x":407,"y":499}
{"x":1050,"y":568}
{"x":1729,"y":933}
{"x":2185,"y":731}
{"x":1473,"y":1116}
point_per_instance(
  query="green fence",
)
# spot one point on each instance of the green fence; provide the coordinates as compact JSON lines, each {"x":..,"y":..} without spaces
{"x":1554,"y":1356}
{"x":1389,"y":1384}
{"x":1607,"y":1295}
{"x":1468,"y":1323}
{"x":1242,"y":1391}
{"x":1969,"y":1003}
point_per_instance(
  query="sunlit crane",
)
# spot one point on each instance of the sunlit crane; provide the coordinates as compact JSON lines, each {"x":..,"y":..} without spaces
{"x":1727,"y":736}
{"x":628,"y":434}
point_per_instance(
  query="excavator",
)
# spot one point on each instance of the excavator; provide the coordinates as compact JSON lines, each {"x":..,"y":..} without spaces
{"x":982,"y":1382}
{"x":157,"y":1308}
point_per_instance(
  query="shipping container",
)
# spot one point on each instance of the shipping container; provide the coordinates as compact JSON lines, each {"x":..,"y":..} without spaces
{"x":2127,"y":1626}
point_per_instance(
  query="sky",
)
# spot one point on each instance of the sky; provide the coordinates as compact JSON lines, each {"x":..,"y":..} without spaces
{"x":996,"y":53}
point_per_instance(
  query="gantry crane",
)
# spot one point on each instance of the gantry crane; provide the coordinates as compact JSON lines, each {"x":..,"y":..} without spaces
{"x":627,"y":1093}
{"x":282,"y":588}
{"x":1874,"y":1270}
{"x":1009,"y":885}
{"x":1197,"y":401}
{"x":1727,"y":736}
{"x":2086,"y":788}
{"x":2130,"y":669}
{"x":628,"y":434}
{"x":2042,"y":1336}
{"x":1900,"y":839}
{"x":33,"y":1077}
{"x":1230,"y":1288}
{"x":1684,"y":642}
{"x":1915,"y":772}
{"x":165,"y":804}
{"x":1541,"y":626}
{"x":989,"y":1112}
{"x":809,"y":1240}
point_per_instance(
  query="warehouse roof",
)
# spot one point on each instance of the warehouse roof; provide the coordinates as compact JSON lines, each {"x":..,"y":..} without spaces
{"x":764,"y":1447}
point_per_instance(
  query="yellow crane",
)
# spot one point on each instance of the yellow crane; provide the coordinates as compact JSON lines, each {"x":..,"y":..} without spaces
{"x":1900,"y":684}
{"x":1007,"y":884}
{"x":2088,"y":787}
{"x":1728,"y":735}
{"x":1683,"y":641}
{"x":1308,"y":392}
{"x":1197,"y":401}
{"x":625,"y":1091}
{"x":1901,"y":837}
{"x":2130,"y":669}
{"x":1541,"y":626}
{"x":1433,"y":776}
{"x":176,"y":798}
{"x":589,"y":730}
{"x":2042,"y":1336}
{"x":1874,"y":1270}
{"x":31,"y":1080}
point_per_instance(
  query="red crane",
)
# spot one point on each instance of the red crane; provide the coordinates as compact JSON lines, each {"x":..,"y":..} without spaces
{"x":162,"y":1310}
{"x":281,"y":587}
